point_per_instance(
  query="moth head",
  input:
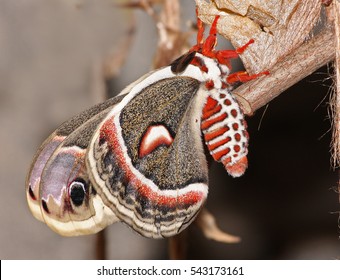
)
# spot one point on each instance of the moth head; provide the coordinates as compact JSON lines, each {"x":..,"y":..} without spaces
{"x":206,"y":47}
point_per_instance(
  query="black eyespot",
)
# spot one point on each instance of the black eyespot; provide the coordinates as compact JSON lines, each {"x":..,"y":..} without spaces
{"x":78,"y":189}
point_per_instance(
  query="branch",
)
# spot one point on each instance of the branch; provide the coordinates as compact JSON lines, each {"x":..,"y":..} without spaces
{"x":101,"y":245}
{"x":277,"y":27}
{"x":336,"y":96}
{"x":300,"y":63}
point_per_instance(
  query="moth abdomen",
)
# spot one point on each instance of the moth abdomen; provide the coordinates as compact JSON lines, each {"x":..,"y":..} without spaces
{"x":224,"y":130}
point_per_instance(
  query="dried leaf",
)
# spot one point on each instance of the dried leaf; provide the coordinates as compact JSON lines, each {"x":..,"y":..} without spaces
{"x":278,"y":27}
{"x":265,"y":12}
{"x":172,"y":42}
{"x":207,"y":222}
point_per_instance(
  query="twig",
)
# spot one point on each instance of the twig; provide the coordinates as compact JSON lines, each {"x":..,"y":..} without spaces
{"x":336,"y":96}
{"x":117,"y":57}
{"x":101,"y":245}
{"x":300,"y":63}
{"x":178,"y":246}
{"x":336,"y":100}
{"x":172,"y":42}
{"x":207,"y":223}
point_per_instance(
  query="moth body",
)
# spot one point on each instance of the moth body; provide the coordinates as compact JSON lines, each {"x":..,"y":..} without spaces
{"x":138,"y":158}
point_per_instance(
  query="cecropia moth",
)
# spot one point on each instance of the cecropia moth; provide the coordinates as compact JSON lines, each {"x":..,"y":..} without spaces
{"x":139,"y":158}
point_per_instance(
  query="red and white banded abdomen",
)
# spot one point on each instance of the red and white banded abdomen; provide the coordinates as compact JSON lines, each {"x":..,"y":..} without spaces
{"x":225,"y":133}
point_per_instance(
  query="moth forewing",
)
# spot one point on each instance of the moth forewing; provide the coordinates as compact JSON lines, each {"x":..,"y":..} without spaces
{"x":159,"y":193}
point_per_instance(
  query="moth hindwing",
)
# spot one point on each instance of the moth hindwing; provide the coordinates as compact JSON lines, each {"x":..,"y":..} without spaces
{"x":57,"y":186}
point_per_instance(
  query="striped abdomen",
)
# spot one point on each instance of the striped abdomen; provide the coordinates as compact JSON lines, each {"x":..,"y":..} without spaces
{"x":225,"y":133}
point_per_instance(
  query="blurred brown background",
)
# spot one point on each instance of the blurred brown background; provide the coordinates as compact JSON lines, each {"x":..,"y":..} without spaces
{"x":51,"y":54}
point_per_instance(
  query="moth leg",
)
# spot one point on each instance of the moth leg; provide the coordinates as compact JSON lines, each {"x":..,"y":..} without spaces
{"x":243,"y":76}
{"x":241,"y":49}
{"x":206,"y":46}
{"x":224,"y":56}
{"x":211,"y":41}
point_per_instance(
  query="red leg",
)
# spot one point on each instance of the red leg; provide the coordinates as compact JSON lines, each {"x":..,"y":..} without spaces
{"x":224,"y":56}
{"x":211,"y":40}
{"x":243,"y":76}
{"x":229,"y":54}
{"x":241,"y":50}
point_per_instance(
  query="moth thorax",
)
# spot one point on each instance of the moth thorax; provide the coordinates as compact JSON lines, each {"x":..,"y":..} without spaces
{"x":212,"y":70}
